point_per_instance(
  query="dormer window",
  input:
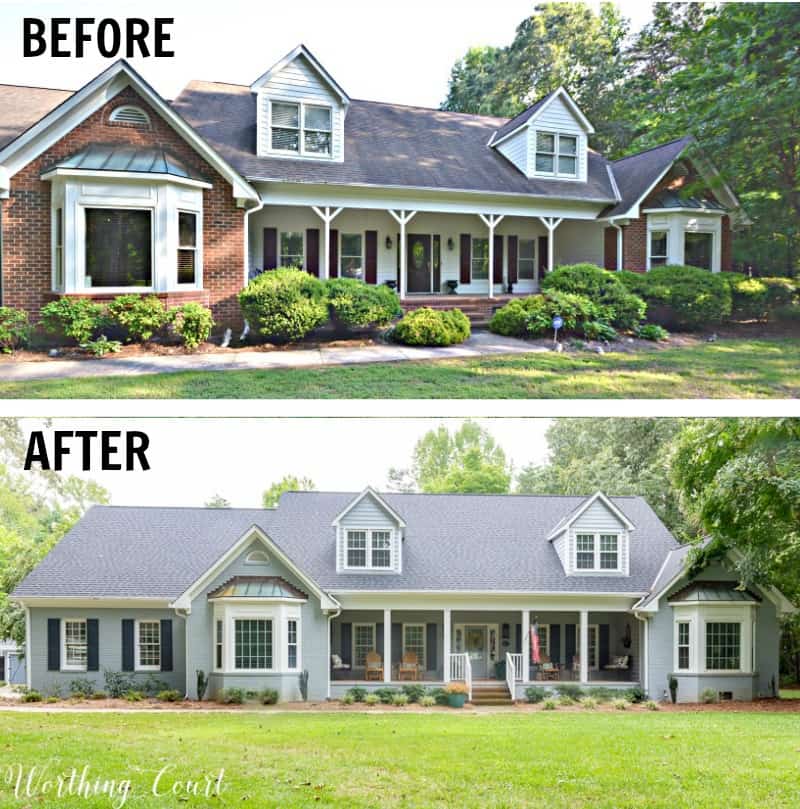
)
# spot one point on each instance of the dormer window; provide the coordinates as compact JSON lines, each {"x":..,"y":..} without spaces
{"x":304,"y":129}
{"x":597,"y":552}
{"x":556,"y":154}
{"x":369,"y":550}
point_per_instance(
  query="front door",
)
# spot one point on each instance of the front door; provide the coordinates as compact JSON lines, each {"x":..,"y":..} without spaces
{"x":419,"y":263}
{"x":476,"y":647}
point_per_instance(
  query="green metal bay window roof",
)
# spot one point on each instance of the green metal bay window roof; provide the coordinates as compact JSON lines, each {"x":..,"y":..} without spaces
{"x":709,"y":591}
{"x":670,"y":199}
{"x":111,"y":157}
{"x":257,"y":587}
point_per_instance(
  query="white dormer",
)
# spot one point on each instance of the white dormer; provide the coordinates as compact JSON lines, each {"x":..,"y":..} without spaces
{"x":550,"y":142}
{"x":369,"y":536}
{"x":300,"y":110}
{"x":594,"y":540}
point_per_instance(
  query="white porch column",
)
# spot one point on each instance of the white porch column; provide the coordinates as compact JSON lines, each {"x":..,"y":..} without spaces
{"x":551,"y":223}
{"x":618,"y":228}
{"x":327,"y":217}
{"x":446,"y":649}
{"x":584,"y":628}
{"x":387,"y":646}
{"x":403,"y":218}
{"x":526,"y":645}
{"x":491,"y":221}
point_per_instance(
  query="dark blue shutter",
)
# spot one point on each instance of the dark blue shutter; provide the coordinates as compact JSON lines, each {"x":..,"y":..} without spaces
{"x":397,"y":643}
{"x":555,"y":643}
{"x":53,"y":644}
{"x":270,"y":249}
{"x":127,"y":644}
{"x":603,"y":644}
{"x":379,"y":639}
{"x":431,"y":650}
{"x":518,"y":638}
{"x":569,"y":644}
{"x":92,"y":645}
{"x":346,"y":644}
{"x":166,"y":644}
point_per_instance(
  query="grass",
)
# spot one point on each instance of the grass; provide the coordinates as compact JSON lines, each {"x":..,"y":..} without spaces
{"x":790,"y":693}
{"x":731,"y":368}
{"x":552,"y":760}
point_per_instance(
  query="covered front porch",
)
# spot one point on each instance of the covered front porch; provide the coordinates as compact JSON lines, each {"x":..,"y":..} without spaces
{"x":447,"y":253}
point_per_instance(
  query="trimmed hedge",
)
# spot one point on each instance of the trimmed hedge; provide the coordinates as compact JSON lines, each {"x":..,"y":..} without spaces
{"x":14,"y":329}
{"x":534,"y":315}
{"x":617,"y":306}
{"x":359,"y":305}
{"x":192,"y":323}
{"x":141,"y":316}
{"x":760,"y":298}
{"x":284,"y":304}
{"x":432,"y":327}
{"x":77,"y":318}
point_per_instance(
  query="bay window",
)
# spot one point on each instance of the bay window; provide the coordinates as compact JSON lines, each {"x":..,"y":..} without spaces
{"x":368,"y":549}
{"x":75,"y":645}
{"x":291,"y":643}
{"x":58,"y":249}
{"x":218,"y":646}
{"x":683,"y":644}
{"x":148,"y":645}
{"x":698,"y":250}
{"x":723,"y":646}
{"x":118,"y":248}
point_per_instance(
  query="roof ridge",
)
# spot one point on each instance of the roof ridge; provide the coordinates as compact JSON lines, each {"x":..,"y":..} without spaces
{"x":431,"y":109}
{"x":652,"y":148}
{"x":37,"y":87}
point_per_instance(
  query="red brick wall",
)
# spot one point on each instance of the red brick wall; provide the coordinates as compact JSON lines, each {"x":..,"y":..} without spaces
{"x":26,"y":215}
{"x":610,"y":248}
{"x":726,"y":259}
{"x":634,"y":245}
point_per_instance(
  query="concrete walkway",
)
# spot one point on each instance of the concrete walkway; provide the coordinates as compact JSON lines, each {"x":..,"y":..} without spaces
{"x":481,"y":344}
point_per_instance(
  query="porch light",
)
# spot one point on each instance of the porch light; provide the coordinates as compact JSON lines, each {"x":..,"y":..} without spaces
{"x":388,"y":242}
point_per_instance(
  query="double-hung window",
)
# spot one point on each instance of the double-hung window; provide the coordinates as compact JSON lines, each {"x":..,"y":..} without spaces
{"x":381,"y":548}
{"x":75,"y":645}
{"x":609,"y":552}
{"x":148,"y":645}
{"x":252,"y":643}
{"x":292,"y":253}
{"x":556,"y":154}
{"x":526,"y":259}
{"x":187,"y":247}
{"x":658,"y":247}
{"x":58,"y":249}
{"x":285,"y":127}
{"x":683,"y":644}
{"x":723,"y":646}
{"x":356,"y":548}
{"x":363,"y":643}
{"x":584,"y":552}
{"x":414,"y":642}
{"x":301,"y":128}
{"x":480,"y":259}
{"x":218,"y":647}
{"x":368,"y":549}
{"x":597,"y":552}
{"x":317,"y":130}
{"x":351,"y":262}
{"x":291,"y":643}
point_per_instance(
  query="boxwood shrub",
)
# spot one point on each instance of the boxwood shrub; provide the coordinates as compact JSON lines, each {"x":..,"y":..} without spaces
{"x":14,"y":329}
{"x":192,"y":322}
{"x":359,"y":305}
{"x":760,"y":298}
{"x":432,"y":327}
{"x":284,"y":304}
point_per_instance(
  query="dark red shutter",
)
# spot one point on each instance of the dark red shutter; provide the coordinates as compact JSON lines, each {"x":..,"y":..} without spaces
{"x":333,"y":258}
{"x":465,"y":274}
{"x":542,"y":255}
{"x":270,"y":248}
{"x":513,"y":253}
{"x":371,"y":256}
{"x":312,"y":251}
{"x":437,"y":263}
{"x":397,"y":255}
{"x":497,"y":276}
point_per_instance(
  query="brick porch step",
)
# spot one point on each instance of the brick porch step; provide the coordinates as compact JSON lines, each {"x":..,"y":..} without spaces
{"x":478,"y":309}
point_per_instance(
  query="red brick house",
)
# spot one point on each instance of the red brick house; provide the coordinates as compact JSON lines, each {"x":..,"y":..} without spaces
{"x":111,"y":189}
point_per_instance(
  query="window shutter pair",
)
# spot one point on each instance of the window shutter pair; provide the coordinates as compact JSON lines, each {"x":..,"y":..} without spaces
{"x":54,"y":644}
{"x":128,"y":651}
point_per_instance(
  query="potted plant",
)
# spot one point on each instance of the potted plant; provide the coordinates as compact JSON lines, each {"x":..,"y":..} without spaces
{"x":456,"y":694}
{"x":451,"y":285}
{"x":673,"y":688}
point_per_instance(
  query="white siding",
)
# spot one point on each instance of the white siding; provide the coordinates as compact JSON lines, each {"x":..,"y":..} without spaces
{"x":577,"y":242}
{"x":369,"y":514}
{"x":557,"y":117}
{"x":599,"y":519}
{"x":515,"y":149}
{"x":298,"y":81}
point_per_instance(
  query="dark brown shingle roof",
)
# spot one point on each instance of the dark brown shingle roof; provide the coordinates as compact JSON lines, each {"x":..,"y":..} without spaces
{"x":22,"y":107}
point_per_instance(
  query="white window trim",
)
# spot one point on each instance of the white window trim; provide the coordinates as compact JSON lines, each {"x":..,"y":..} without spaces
{"x":424,"y":628}
{"x":71,"y":666}
{"x":715,"y":247}
{"x":55,"y":287}
{"x":699,"y":616}
{"x":298,"y":662}
{"x":137,"y":648}
{"x":275,"y":639}
{"x":535,"y":278}
{"x":650,"y":231}
{"x":257,"y":557}
{"x":556,"y":154}
{"x":301,"y":130}
{"x":369,"y":532}
{"x":546,"y":650}
{"x":374,"y":628}
{"x":676,"y":657}
{"x":742,"y":645}
{"x":217,"y":642}
{"x":198,"y":248}
{"x":302,"y":233}
{"x":472,"y":278}
{"x":596,"y":549}
{"x":360,"y":234}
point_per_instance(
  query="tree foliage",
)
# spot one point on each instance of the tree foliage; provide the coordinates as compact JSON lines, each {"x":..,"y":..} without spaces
{"x":288,"y":483}
{"x":468,"y":460}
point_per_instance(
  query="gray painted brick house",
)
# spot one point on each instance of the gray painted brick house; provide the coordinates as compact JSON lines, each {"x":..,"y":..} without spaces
{"x":376,"y":589}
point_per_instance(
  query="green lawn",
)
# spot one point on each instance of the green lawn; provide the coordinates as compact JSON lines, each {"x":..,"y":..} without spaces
{"x":734,"y":368}
{"x":603,"y":761}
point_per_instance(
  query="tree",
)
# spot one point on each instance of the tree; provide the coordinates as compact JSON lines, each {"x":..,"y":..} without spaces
{"x":466,"y":461}
{"x":472,"y":80}
{"x":217,"y":501}
{"x":618,"y":456}
{"x":288,"y":483}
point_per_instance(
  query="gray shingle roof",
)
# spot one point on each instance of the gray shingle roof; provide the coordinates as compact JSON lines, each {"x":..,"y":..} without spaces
{"x":520,"y":119}
{"x":385,"y":144}
{"x":22,"y":107}
{"x":452,"y":542}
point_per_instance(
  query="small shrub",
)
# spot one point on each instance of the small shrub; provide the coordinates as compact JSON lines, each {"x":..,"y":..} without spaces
{"x":385,"y":694}
{"x":651,"y":331}
{"x":284,"y":304}
{"x":141,"y":316}
{"x":372,"y":699}
{"x":231,"y":696}
{"x":358,"y":693}
{"x":760,"y":298}
{"x":359,"y":305}
{"x":102,"y":346}
{"x":117,"y":683}
{"x":427,"y":701}
{"x":549,"y":704}
{"x":597,"y":330}
{"x":589,"y":703}
{"x":535,"y":693}
{"x":202,"y":683}
{"x":439,"y":697}
{"x":192,"y":323}
{"x":269,"y":696}
{"x":636,"y":694}
{"x":133,"y":696}
{"x":512,"y":319}
{"x":569,"y":690}
{"x":565,"y":700}
{"x":82,"y":687}
{"x":169,"y":695}
{"x":31,"y":696}
{"x":15,"y":329}
{"x":620,"y":704}
{"x":709,"y":696}
{"x":302,"y":684}
{"x":652,"y":705}
{"x":77,"y":318}
{"x":572,"y":308}
{"x":153,"y":684}
{"x":347,"y":699}
{"x":98,"y":695}
{"x":414,"y":691}
{"x":50,"y":700}
{"x":601,"y":693}
{"x":432,"y":327}
{"x":400,"y":700}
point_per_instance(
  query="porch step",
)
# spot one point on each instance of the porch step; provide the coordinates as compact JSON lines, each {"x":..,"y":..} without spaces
{"x":491,"y":694}
{"x":478,"y":310}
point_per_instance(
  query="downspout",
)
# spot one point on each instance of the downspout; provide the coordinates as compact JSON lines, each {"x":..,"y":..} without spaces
{"x":246,"y":278}
{"x":646,"y":648}
{"x":331,"y":616}
{"x":28,"y":667}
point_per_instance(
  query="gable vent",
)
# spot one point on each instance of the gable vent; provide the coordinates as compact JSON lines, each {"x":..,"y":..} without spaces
{"x":135,"y":116}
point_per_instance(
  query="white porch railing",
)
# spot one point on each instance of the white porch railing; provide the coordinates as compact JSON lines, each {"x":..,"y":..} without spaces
{"x":516,"y":659}
{"x":511,"y":674}
{"x":461,"y":669}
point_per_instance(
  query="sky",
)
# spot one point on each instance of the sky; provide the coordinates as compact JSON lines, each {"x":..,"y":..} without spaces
{"x":193,"y":459}
{"x":375,"y":50}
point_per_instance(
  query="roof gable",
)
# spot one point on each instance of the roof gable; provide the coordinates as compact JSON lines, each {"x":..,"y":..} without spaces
{"x":572,"y":517}
{"x":371,"y":493}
